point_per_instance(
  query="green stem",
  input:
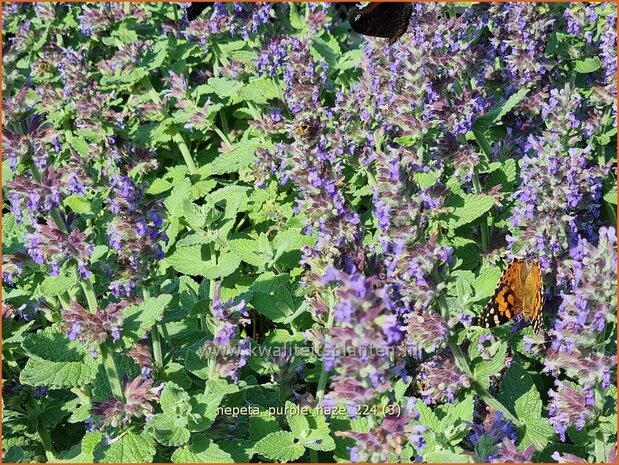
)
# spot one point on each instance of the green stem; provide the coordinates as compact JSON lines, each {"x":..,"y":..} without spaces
{"x":322,"y":380}
{"x":484,"y":218}
{"x":91,"y":297}
{"x":154,"y":336}
{"x":111,"y":372}
{"x":176,"y":137}
{"x":106,"y":355}
{"x":600,"y":444}
{"x":32,"y":407}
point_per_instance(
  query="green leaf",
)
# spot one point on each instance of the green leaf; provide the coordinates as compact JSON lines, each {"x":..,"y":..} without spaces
{"x":56,"y":362}
{"x":486,"y":121}
{"x":259,"y":91}
{"x":53,"y":286}
{"x":279,"y":446}
{"x":224,"y":87}
{"x":201,"y":450}
{"x":78,"y":144}
{"x":519,"y":394}
{"x":445,"y":457}
{"x":588,"y":65}
{"x":138,"y":319}
{"x":296,"y":20}
{"x":486,"y":368}
{"x":269,"y":306}
{"x":169,"y":430}
{"x":174,"y":202}
{"x":297,"y":422}
{"x":611,"y":196}
{"x":248,"y":251}
{"x":467,"y":209}
{"x":204,"y":411}
{"x":486,"y":283}
{"x":174,"y":400}
{"x":15,"y":454}
{"x":130,"y":447}
{"x":239,"y":157}
{"x":78,"y":204}
{"x":195,"y":260}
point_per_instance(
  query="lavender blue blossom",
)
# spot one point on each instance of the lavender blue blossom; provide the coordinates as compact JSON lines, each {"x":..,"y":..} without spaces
{"x":570,"y":407}
{"x":359,"y":347}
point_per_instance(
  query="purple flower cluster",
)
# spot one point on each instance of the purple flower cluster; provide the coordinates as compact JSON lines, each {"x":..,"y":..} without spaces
{"x":360,"y":344}
{"x":93,"y":329}
{"x":229,"y":350}
{"x":134,"y":233}
{"x":241,"y":20}
{"x":440,"y":379}
{"x":48,"y":245}
{"x":139,"y":396}
{"x":388,"y":441}
{"x":570,"y":406}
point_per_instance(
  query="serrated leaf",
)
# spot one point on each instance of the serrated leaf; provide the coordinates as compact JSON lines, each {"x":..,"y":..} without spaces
{"x":201,"y":450}
{"x":138,"y":319}
{"x":239,"y":157}
{"x":486,"y":368}
{"x":129,"y":448}
{"x":15,"y":454}
{"x":259,"y":90}
{"x":56,"y":362}
{"x":247,"y":250}
{"x":279,"y":446}
{"x":297,"y":422}
{"x":486,"y":283}
{"x":53,"y":286}
{"x":467,"y":209}
{"x":224,"y":87}
{"x":195,"y":260}
{"x":169,"y":430}
{"x":519,"y":394}
{"x":180,"y":193}
{"x":611,"y":196}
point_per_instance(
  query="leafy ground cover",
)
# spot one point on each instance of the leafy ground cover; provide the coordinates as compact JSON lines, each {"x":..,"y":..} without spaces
{"x":255,"y":236}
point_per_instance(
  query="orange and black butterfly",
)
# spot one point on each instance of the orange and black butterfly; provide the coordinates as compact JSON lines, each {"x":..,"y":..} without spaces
{"x":382,"y":19}
{"x":520,"y":292}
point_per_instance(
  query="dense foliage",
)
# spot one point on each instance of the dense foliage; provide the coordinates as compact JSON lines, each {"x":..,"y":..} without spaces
{"x":256,"y":236}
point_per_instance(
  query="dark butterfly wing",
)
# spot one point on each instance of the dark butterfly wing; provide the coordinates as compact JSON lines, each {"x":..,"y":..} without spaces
{"x":195,"y":9}
{"x":388,"y":20}
{"x":497,"y":311}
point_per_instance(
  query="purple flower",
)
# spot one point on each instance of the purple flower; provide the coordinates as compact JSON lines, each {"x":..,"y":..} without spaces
{"x":440,"y":379}
{"x":570,"y":407}
{"x":139,"y":397}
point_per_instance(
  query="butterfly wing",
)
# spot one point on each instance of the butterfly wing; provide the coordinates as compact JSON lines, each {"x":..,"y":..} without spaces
{"x":534,"y":292}
{"x":520,"y":290}
{"x":388,"y":20}
{"x":505,"y":303}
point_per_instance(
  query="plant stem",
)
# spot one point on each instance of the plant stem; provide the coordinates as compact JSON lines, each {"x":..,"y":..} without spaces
{"x":106,"y":355}
{"x":32,"y":407}
{"x":600,"y":444}
{"x":176,"y":137}
{"x":112,"y":372}
{"x":322,"y":380}
{"x":484,"y":218}
{"x":64,"y":300}
{"x":91,"y":297}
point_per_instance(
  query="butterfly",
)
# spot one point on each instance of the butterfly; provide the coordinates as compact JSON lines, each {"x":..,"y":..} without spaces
{"x":389,"y":20}
{"x":520,"y":292}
